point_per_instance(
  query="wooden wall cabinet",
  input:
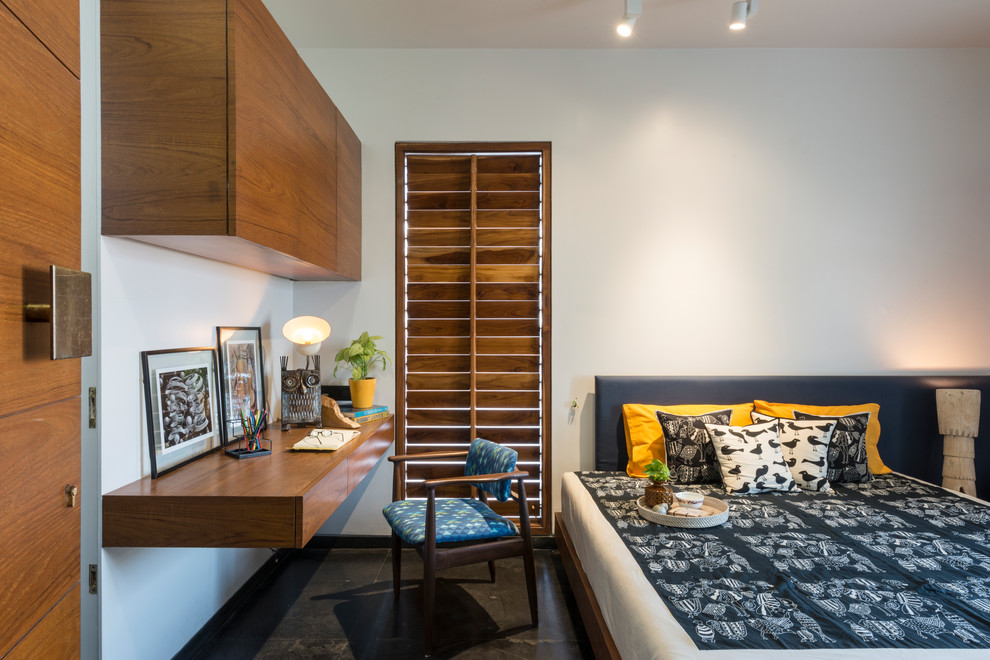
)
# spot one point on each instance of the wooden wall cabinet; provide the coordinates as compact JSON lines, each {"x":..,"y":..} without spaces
{"x":218,"y":141}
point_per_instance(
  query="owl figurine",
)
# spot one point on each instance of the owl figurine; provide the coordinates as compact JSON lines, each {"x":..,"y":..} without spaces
{"x":301,"y":393}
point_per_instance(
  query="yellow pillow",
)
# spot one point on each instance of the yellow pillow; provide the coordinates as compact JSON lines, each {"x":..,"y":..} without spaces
{"x":644,"y":437}
{"x":873,"y":459}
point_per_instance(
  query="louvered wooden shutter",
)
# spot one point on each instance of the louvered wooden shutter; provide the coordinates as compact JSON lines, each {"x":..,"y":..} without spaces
{"x":472,"y":314}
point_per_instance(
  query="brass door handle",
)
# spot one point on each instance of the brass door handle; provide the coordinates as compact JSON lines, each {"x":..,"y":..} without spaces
{"x":70,"y":313}
{"x":71,"y":492}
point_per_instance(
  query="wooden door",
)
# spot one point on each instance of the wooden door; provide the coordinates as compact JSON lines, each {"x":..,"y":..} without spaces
{"x":39,"y":397}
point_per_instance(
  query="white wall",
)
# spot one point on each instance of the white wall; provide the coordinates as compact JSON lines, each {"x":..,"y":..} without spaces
{"x":714,"y":211}
{"x":154,"y":600}
{"x":352,"y":308}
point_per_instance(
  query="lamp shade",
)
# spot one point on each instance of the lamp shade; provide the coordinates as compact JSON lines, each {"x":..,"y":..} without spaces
{"x":307,"y":333}
{"x":958,"y":412}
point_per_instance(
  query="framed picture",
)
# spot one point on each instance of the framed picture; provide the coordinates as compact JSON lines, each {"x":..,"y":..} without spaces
{"x":242,"y":377}
{"x":182,"y":400}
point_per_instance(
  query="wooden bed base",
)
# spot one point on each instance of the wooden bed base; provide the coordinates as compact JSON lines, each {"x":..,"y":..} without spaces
{"x":591,"y":613}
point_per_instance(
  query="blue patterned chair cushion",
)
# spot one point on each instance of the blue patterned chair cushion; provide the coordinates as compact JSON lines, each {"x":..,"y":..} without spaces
{"x":457,"y":520}
{"x":487,"y":457}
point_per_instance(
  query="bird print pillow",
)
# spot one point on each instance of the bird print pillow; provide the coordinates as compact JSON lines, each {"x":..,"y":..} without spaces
{"x":690,"y":455}
{"x":750,"y":459}
{"x":847,"y":460}
{"x":804,"y":445}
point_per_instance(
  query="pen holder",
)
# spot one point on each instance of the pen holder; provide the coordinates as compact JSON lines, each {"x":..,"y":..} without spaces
{"x":257,"y":446}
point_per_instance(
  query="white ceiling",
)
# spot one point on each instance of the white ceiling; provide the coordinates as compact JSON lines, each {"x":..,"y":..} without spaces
{"x":664,"y":24}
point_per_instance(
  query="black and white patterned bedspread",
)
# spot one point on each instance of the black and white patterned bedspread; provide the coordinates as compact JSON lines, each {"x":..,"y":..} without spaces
{"x":888,"y":564}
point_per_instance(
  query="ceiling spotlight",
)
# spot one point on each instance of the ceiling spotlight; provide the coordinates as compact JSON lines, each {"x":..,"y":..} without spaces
{"x":634,"y":9}
{"x":741,"y":11}
{"x":625,"y":27}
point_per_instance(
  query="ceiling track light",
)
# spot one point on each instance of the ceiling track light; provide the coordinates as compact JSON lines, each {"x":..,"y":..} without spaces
{"x":634,"y":9}
{"x":741,"y":11}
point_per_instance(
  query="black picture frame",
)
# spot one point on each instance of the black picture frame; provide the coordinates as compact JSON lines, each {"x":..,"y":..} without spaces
{"x":182,"y":406}
{"x":242,"y":370}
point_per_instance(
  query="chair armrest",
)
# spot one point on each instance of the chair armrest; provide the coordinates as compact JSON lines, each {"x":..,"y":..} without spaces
{"x":475,"y":479}
{"x":429,"y":454}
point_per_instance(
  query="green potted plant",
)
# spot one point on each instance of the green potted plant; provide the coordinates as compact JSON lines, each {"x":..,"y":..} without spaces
{"x":361,"y":356}
{"x":659,"y":491}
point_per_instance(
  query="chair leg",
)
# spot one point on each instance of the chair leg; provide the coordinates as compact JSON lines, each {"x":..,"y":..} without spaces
{"x":491,"y":570}
{"x":429,"y":596}
{"x":527,"y":536}
{"x":531,"y":583}
{"x":430,"y":567}
{"x":396,"y":563}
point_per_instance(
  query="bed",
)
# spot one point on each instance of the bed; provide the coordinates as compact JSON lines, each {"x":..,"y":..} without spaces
{"x":918,"y":584}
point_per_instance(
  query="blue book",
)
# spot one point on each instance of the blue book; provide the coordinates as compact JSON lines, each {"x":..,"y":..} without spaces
{"x":356,"y":413}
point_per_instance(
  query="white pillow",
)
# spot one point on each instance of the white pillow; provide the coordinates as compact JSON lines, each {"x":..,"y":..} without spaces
{"x":804,"y":444}
{"x":749,"y":458}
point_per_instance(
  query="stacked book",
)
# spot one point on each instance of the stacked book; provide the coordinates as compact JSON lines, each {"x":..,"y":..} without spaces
{"x":364,"y":415}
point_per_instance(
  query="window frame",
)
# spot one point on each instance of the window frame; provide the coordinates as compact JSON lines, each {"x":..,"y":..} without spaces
{"x":543,"y":523}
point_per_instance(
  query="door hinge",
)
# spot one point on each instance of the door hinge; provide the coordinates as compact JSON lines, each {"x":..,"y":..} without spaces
{"x":92,"y":407}
{"x":92,"y":578}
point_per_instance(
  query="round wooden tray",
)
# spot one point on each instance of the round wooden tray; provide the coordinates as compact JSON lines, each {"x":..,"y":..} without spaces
{"x":717,"y":510}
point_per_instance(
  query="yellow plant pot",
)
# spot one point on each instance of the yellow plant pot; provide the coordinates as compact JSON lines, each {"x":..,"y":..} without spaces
{"x":362,"y":392}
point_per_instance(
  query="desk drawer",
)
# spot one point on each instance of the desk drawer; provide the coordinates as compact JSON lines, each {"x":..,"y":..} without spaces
{"x":199,"y":522}
{"x":360,"y":463}
{"x":321,"y":501}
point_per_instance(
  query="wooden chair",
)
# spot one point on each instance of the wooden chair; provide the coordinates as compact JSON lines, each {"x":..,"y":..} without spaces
{"x":482,"y":535}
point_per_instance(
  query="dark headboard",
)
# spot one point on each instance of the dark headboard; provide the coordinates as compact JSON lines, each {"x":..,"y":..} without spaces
{"x":909,"y":438}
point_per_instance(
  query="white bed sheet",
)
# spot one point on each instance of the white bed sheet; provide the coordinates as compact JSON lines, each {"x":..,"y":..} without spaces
{"x":639,"y":622}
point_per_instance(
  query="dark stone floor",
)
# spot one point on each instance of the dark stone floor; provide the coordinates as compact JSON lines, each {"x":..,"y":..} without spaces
{"x":337,"y":604}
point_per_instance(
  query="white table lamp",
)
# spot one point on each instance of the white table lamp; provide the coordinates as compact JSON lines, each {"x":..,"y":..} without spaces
{"x":307,"y":333}
{"x":301,"y":387}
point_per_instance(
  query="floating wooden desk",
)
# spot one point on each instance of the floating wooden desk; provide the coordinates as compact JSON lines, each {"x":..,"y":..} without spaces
{"x":276,"y":501}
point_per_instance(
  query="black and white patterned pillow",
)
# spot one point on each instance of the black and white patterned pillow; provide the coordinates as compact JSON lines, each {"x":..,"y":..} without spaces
{"x":750,"y":459}
{"x":690,"y":454}
{"x":847,"y":462}
{"x":804,"y":445}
